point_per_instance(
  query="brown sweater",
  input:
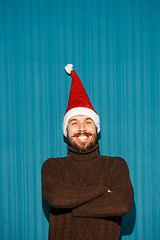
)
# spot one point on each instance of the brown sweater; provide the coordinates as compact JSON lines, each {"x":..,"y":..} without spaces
{"x":88,"y":194}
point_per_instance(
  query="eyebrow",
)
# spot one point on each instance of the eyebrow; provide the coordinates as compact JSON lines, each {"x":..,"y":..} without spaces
{"x":75,"y":119}
{"x":89,"y":119}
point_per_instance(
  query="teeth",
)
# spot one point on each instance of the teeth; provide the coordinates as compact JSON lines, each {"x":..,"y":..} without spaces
{"x":82,"y":137}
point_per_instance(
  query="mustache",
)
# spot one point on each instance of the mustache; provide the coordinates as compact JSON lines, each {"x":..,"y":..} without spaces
{"x":87,"y":134}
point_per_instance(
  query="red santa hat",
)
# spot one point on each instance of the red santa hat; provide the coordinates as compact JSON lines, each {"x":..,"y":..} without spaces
{"x":78,"y":103}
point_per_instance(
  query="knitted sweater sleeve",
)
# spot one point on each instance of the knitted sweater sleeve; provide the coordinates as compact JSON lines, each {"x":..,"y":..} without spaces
{"x":116,"y":201}
{"x":61,"y":195}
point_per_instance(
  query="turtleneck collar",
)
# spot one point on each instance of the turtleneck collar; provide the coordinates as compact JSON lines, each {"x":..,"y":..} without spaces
{"x":91,"y":154}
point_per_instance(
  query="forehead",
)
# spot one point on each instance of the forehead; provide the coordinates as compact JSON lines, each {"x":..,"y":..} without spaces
{"x":79,"y":118}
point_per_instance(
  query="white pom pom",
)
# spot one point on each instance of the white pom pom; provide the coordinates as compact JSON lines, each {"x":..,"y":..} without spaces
{"x":68,"y":68}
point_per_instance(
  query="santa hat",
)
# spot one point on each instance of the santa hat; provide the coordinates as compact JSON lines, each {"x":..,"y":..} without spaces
{"x":78,"y":103}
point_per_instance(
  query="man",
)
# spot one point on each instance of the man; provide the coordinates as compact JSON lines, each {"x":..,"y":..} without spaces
{"x":88,"y":193}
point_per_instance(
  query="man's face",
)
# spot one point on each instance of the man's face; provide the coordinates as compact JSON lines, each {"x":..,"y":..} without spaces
{"x":81,"y":133}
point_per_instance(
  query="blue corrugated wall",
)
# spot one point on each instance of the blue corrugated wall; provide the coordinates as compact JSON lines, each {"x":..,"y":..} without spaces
{"x":115,"y":48}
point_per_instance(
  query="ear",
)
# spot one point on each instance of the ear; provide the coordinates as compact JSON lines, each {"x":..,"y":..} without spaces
{"x":66,"y":132}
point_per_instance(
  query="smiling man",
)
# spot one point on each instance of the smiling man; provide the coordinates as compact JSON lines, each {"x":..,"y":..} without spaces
{"x":88,"y":193}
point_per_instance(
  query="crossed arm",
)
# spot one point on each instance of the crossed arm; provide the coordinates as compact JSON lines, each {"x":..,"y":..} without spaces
{"x":90,"y":201}
{"x":61,"y":195}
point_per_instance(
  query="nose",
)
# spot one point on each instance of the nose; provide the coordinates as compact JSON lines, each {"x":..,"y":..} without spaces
{"x":82,"y":127}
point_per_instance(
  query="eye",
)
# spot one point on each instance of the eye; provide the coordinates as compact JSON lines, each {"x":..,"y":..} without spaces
{"x":88,"y":122}
{"x":73,"y":123}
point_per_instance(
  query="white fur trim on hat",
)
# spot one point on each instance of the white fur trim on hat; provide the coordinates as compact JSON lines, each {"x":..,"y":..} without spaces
{"x":81,"y":111}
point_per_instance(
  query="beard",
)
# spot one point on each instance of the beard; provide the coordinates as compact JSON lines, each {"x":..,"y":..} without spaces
{"x":82,"y":148}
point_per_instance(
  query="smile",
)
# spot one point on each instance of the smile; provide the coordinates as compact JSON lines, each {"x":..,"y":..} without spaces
{"x":82,"y":137}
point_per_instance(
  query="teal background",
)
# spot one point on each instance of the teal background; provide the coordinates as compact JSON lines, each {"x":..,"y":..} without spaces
{"x":114,"y":46}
